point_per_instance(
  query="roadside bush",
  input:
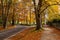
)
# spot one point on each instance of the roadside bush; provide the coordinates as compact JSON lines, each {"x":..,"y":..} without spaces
{"x":54,"y":22}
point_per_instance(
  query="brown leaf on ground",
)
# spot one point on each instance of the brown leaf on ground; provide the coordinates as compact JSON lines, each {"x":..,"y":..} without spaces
{"x":48,"y":33}
{"x":7,"y":28}
{"x":21,"y":34}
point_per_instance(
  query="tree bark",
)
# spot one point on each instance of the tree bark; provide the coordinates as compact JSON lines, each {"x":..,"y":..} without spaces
{"x":13,"y":21}
{"x":37,"y":14}
{"x":3,"y":15}
{"x":5,"y":11}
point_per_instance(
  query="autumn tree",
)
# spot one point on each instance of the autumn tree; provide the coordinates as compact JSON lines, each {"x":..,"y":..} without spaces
{"x":37,"y":13}
{"x":5,"y":11}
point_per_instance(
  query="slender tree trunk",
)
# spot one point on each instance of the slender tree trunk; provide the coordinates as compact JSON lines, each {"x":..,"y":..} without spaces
{"x":30,"y":15}
{"x":2,"y":9}
{"x":4,"y":24}
{"x":13,"y":21}
{"x":3,"y":15}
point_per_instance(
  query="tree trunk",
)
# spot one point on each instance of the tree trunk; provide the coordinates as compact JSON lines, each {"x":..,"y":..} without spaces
{"x":37,"y":14}
{"x":13,"y":21}
{"x":37,"y":19}
{"x":3,"y":15}
{"x":5,"y":12}
{"x":4,"y":24}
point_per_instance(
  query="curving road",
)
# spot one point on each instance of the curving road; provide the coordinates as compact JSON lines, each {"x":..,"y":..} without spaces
{"x":8,"y":33}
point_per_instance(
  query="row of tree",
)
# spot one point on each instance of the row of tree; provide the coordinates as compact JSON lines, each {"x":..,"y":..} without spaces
{"x":7,"y":11}
{"x":8,"y":8}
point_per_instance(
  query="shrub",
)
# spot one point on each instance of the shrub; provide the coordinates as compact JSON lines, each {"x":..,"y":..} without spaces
{"x":53,"y":22}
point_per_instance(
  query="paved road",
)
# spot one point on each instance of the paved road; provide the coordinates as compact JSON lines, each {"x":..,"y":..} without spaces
{"x":8,"y":33}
